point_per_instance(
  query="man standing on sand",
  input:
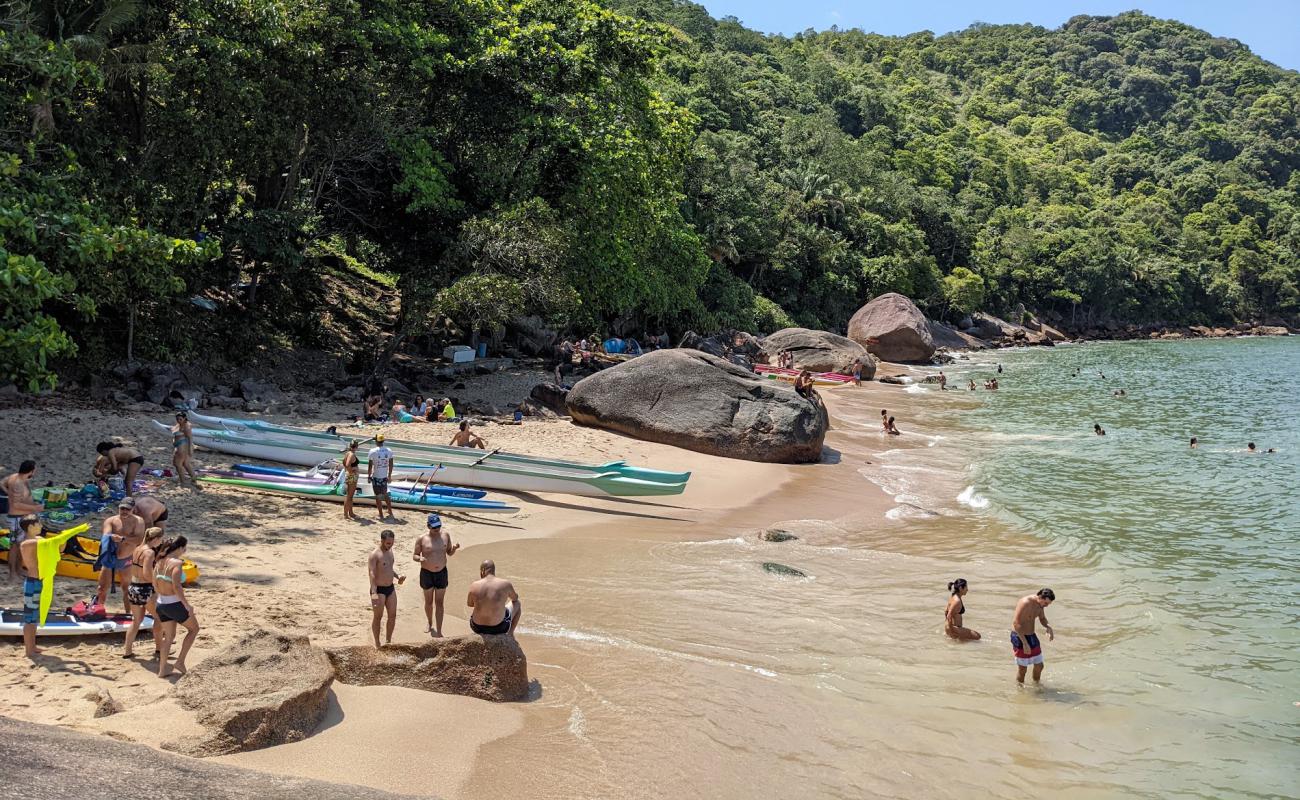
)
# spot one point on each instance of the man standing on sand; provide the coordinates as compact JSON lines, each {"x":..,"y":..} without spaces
{"x":26,"y":553}
{"x":379,"y":469}
{"x":17,"y":489}
{"x":383,"y":594}
{"x":431,"y":552}
{"x":488,"y":596}
{"x":1024,"y":642}
{"x":124,"y":532}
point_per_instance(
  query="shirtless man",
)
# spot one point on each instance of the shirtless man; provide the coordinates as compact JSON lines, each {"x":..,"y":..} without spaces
{"x":1024,"y":642}
{"x":18,"y":488}
{"x":126,"y":531}
{"x":431,"y":552}
{"x":383,"y":594}
{"x":151,"y":510}
{"x":31,"y":526}
{"x":467,"y":438}
{"x":488,"y":596}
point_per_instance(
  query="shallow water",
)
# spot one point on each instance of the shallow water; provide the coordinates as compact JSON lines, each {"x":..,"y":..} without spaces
{"x":682,"y":668}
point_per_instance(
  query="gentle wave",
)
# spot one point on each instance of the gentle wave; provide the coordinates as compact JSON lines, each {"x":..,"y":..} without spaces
{"x":968,"y":497}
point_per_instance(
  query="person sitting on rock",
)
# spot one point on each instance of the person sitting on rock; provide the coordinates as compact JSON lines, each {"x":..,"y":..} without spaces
{"x":804,"y":384}
{"x":488,"y":596}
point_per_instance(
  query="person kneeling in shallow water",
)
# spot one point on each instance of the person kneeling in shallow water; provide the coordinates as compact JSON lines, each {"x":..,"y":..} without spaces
{"x":956,"y":609}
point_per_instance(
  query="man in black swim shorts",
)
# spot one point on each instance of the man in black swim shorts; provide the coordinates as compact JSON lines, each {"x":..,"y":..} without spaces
{"x":383,"y":595}
{"x":431,"y":552}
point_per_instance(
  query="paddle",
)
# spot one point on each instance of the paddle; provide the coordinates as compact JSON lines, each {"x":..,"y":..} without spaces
{"x":429,"y":483}
{"x":486,"y":456}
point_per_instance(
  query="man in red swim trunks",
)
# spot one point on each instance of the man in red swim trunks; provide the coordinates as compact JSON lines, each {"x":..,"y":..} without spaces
{"x":1024,"y":642}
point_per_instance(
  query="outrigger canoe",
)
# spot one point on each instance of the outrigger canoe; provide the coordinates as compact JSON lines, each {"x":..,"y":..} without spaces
{"x":460,"y":466}
{"x":416,"y":499}
{"x":332,"y":478}
{"x":836,"y":378}
{"x":434,"y":453}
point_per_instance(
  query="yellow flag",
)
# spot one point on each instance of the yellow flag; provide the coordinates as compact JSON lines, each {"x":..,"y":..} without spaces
{"x":48,"y":553}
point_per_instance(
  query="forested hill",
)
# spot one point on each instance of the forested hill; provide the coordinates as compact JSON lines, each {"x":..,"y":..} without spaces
{"x":203,"y":178}
{"x":1123,"y":167}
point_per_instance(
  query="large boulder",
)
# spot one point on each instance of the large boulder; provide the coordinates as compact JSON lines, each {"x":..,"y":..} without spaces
{"x":550,"y":396}
{"x":893,"y":328}
{"x":989,"y":327}
{"x":952,"y":339}
{"x":58,"y":762}
{"x":486,"y":667}
{"x":268,"y":688}
{"x":819,"y":351}
{"x":690,"y":399}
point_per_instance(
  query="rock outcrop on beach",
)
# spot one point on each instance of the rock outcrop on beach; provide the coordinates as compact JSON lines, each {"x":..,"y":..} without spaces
{"x":819,"y":351}
{"x":57,"y":762}
{"x":953,"y":339}
{"x":268,"y":688}
{"x":487,"y":667}
{"x":690,"y":399}
{"x":548,"y":395}
{"x":893,"y":328}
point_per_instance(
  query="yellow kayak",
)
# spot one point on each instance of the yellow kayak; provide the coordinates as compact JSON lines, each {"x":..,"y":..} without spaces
{"x":79,"y":556}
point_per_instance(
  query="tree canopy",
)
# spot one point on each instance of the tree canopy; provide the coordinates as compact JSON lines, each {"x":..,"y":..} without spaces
{"x":632,"y":164}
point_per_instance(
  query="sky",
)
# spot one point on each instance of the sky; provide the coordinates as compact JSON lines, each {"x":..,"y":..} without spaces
{"x":1270,"y":28}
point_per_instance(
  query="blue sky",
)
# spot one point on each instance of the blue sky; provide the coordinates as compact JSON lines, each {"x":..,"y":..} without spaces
{"x":1271,"y":28}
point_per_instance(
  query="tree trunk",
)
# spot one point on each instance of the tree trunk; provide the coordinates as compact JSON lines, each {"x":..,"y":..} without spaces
{"x":130,"y":334}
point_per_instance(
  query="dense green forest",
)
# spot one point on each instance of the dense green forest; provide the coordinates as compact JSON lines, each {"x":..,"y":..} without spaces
{"x":183,"y":177}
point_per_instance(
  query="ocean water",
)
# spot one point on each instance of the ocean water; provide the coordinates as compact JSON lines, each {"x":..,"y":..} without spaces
{"x":670,"y":663}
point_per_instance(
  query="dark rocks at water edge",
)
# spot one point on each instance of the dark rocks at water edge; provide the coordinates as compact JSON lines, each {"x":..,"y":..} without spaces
{"x":782,"y":569}
{"x":819,"y":351}
{"x":59,"y":763}
{"x":268,"y":688}
{"x":550,"y":396}
{"x":487,"y":667}
{"x":690,"y":399}
{"x":776,"y":535}
{"x":892,"y":328}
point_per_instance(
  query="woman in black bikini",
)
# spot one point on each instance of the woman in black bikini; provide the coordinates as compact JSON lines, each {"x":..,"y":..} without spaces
{"x":140,"y":591}
{"x":112,"y":459}
{"x":956,"y":609}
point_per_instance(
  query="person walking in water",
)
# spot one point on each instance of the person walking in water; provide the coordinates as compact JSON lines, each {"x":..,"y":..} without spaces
{"x":351,"y":471}
{"x":379,"y":469}
{"x":956,"y":609}
{"x":488,"y":597}
{"x":431,"y":552}
{"x":383,"y":592}
{"x":1024,"y":642}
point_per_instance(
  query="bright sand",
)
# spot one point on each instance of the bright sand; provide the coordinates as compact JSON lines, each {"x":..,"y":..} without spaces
{"x":269,"y":561}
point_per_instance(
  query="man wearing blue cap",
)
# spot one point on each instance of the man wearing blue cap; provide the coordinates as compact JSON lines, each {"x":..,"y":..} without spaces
{"x":431,"y":552}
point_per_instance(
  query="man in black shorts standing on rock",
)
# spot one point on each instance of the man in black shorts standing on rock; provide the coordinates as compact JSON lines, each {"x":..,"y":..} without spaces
{"x":431,"y":552}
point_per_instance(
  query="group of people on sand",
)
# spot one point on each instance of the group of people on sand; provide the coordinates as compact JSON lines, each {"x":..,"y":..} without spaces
{"x":380,"y":462}
{"x":422,"y":410}
{"x":1026,"y":648}
{"x":496,"y":607}
{"x":134,"y":547}
{"x":115,"y":459}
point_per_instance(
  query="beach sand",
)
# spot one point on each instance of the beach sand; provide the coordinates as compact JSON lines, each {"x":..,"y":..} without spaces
{"x":298,"y":566}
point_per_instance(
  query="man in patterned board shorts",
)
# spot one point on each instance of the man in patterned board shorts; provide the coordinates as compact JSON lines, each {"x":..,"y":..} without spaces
{"x":1024,"y":642}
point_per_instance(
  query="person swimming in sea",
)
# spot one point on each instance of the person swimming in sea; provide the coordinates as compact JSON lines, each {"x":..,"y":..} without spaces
{"x":956,"y":609}
{"x":1250,"y":447}
{"x":1097,"y":429}
{"x":1193,"y":443}
{"x":972,"y":385}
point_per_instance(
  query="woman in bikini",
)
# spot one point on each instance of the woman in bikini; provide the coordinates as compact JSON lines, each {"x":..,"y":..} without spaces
{"x":113,"y":458}
{"x":956,"y":608}
{"x":140,"y":591}
{"x":172,"y":606}
{"x":183,"y":449}
{"x":351,"y":470}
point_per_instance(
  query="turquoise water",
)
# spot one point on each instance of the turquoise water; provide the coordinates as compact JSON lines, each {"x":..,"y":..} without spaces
{"x":1209,"y":538}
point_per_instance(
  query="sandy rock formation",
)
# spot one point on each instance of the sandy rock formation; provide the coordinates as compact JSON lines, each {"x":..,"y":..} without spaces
{"x":268,"y":688}
{"x":893,"y":328}
{"x":690,"y":399}
{"x":486,"y":667}
{"x":819,"y":351}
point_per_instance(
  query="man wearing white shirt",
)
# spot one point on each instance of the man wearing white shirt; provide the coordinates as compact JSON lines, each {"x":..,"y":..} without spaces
{"x":379,"y":469}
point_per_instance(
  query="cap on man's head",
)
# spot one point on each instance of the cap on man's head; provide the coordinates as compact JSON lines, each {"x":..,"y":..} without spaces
{"x":387,"y":534}
{"x":435,"y":521}
{"x":127,"y":502}
{"x":379,"y":437}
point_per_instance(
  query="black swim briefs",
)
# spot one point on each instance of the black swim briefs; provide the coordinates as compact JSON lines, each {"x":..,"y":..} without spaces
{"x":487,"y":630}
{"x":384,"y":590}
{"x":433,"y":580}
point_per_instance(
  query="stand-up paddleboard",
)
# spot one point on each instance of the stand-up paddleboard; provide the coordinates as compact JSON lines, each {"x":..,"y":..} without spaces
{"x":61,"y":624}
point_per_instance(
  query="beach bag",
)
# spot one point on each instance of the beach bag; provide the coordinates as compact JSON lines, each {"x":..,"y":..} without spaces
{"x":88,"y":611}
{"x":56,"y":497}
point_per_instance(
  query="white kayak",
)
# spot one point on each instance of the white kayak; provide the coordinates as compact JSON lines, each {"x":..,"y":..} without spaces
{"x":61,"y":624}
